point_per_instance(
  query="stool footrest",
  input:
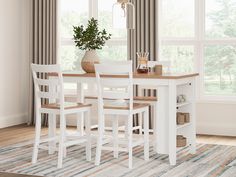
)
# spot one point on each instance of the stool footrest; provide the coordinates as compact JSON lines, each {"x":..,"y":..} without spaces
{"x":44,"y":140}
{"x":46,"y":147}
{"x":74,"y":142}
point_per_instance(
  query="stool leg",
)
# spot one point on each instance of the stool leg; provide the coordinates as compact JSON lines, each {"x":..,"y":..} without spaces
{"x":126,"y":129}
{"x":100,"y":140}
{"x":61,"y":141}
{"x":80,"y":123}
{"x":140,"y":116}
{"x":65,"y":135}
{"x":130,"y":140}
{"x":52,"y":132}
{"x":37,"y":137}
{"x":146,"y":135}
{"x":154,"y":125}
{"x":88,"y":135}
{"x":115,"y":136}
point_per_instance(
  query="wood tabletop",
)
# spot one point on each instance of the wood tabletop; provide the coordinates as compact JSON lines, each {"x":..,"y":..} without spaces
{"x":136,"y":75}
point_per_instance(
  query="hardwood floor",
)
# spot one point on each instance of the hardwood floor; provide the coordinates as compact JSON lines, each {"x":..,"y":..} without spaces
{"x":16,"y":134}
{"x":221,"y":140}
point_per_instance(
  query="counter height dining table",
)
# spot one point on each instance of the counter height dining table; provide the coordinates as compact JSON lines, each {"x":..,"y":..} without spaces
{"x":168,"y":87}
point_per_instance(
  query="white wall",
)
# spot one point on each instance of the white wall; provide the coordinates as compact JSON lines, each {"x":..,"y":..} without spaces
{"x":14,"y":57}
{"x":216,"y":119}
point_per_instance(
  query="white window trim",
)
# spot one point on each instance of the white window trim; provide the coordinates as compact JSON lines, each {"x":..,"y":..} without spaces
{"x":93,"y":12}
{"x":199,"y":42}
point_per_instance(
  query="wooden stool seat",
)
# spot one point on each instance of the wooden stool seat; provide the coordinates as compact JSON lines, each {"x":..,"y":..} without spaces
{"x":67,"y":105}
{"x":136,"y":98}
{"x":145,"y":98}
{"x":126,"y":107}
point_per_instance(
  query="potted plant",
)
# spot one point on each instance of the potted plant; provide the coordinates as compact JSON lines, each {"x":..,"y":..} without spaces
{"x":90,"y":40}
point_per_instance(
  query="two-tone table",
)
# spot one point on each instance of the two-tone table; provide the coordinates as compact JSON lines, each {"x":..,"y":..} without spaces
{"x":168,"y":87}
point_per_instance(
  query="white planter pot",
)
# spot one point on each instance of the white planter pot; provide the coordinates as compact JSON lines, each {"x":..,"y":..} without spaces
{"x":90,"y":58}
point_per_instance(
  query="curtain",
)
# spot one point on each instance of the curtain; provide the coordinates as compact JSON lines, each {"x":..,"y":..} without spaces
{"x":144,"y":38}
{"x":43,"y":40}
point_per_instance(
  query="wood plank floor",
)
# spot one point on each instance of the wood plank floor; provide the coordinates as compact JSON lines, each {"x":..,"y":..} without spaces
{"x":16,"y":134}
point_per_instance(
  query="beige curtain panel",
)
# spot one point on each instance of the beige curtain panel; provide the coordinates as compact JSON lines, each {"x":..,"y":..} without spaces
{"x":44,"y":40}
{"x":144,"y":38}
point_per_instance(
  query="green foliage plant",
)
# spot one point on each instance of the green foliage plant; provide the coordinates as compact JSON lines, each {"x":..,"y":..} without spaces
{"x":90,"y":38}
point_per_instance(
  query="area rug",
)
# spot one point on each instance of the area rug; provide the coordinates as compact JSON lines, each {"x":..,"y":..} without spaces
{"x":3,"y":174}
{"x":209,"y":161}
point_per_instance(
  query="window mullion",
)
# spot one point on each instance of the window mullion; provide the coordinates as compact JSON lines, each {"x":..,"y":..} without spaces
{"x":201,"y":21}
{"x":197,"y":47}
{"x":93,"y":9}
{"x":90,"y":8}
{"x":200,"y":47}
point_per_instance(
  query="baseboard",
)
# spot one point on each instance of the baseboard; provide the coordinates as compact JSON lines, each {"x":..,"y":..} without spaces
{"x":207,"y":129}
{"x":221,"y":130}
{"x":13,"y":120}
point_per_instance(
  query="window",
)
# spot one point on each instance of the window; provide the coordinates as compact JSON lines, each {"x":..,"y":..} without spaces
{"x":175,"y":21}
{"x":220,"y":74}
{"x":200,"y":35}
{"x":77,"y":12}
{"x":220,"y":48}
{"x":73,"y":12}
{"x":116,"y":48}
{"x":177,"y":34}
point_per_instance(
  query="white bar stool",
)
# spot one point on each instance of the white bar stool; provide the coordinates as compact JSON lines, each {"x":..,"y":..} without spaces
{"x":57,"y":106}
{"x":116,"y":88}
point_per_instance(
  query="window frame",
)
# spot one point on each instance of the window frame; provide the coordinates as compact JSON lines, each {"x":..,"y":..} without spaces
{"x":199,"y":42}
{"x":93,"y":12}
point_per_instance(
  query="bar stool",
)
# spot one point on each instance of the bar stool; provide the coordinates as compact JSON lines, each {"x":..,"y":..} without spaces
{"x":52,"y":90}
{"x":115,"y":83}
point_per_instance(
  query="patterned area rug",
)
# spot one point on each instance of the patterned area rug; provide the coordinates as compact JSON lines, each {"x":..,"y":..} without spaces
{"x":209,"y":161}
{"x":3,"y":174}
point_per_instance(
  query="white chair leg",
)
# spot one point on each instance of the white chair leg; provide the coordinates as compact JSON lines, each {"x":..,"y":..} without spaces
{"x":140,"y":124}
{"x":126,"y":129}
{"x":115,"y":136}
{"x":130,"y":140}
{"x":65,"y":135}
{"x":37,"y":137}
{"x":100,"y":140}
{"x":88,"y":136}
{"x":80,"y":123}
{"x":61,"y":141}
{"x":154,"y":109}
{"x":146,"y":135}
{"x":52,"y":132}
{"x":65,"y":148}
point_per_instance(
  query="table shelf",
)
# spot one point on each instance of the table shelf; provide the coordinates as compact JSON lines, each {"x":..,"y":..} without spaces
{"x":183,"y":126}
{"x":179,"y":105}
